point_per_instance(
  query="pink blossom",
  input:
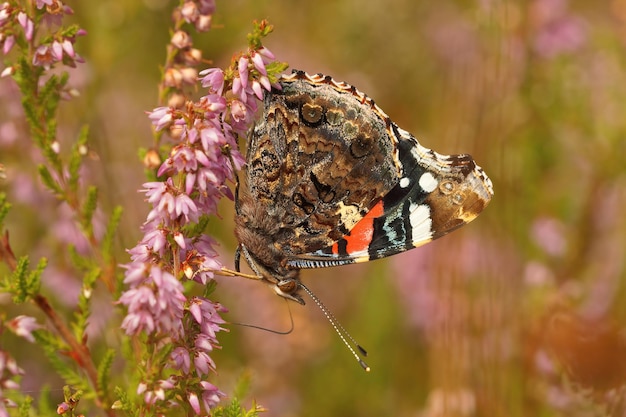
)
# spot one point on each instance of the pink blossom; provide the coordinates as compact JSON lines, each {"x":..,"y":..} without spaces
{"x":259,"y":64}
{"x":7,"y":43}
{"x":26,"y":24}
{"x":267,"y":55}
{"x":63,"y":408}
{"x":189,"y":11}
{"x":5,"y":13}
{"x":194,"y":402}
{"x":238,"y":110}
{"x":181,"y":359}
{"x":258,"y":90}
{"x":210,"y":395}
{"x":155,"y":304}
{"x":44,"y":57}
{"x":40,"y":4}
{"x":24,"y":326}
{"x":161,"y":117}
{"x":243,"y":71}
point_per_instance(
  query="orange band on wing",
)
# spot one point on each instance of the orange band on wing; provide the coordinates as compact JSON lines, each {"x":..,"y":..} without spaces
{"x":361,"y":234}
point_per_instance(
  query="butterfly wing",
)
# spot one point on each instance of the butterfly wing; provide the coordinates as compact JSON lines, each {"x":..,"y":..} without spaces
{"x":317,"y":162}
{"x":331,"y":180}
{"x":435,"y":195}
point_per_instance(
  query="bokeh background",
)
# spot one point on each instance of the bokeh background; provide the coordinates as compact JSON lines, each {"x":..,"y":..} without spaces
{"x":520,"y":313}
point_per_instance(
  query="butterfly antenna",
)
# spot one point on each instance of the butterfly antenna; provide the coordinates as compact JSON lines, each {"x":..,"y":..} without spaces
{"x":254,"y":326}
{"x":343,"y":333}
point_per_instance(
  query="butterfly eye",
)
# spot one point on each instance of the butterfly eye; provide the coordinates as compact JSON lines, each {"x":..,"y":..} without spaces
{"x":288,"y":285}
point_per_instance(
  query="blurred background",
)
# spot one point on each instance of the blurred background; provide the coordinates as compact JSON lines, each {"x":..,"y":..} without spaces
{"x":520,"y":313}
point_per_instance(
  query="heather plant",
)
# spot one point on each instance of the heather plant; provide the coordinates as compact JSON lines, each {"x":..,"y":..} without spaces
{"x":164,"y":343}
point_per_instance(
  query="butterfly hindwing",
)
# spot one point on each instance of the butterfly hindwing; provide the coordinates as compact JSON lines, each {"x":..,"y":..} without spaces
{"x":435,"y":194}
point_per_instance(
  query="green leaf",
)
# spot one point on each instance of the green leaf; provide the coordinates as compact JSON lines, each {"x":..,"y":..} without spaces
{"x":51,"y":346}
{"x":34,"y":278}
{"x":109,"y":234}
{"x":49,"y":96}
{"x":20,"y":279}
{"x":123,"y":402}
{"x":104,"y":372}
{"x":26,"y":284}
{"x":88,"y":209}
{"x":274,"y":69}
{"x":23,"y":409}
{"x":4,"y":208}
{"x":50,"y":154}
{"x":83,"y":310}
{"x":49,"y":181}
{"x":76,"y":158}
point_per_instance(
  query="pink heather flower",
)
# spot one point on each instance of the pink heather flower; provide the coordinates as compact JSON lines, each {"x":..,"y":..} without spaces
{"x":213,"y":103}
{"x":181,"y":39}
{"x":40,"y":4}
{"x":26,"y":24}
{"x":154,"y":304}
{"x":63,"y":408}
{"x":267,"y":55}
{"x":238,"y":110}
{"x":7,"y":43}
{"x":206,"y":314}
{"x":194,"y":402}
{"x":265,"y":82}
{"x":203,"y":363}
{"x":259,"y":64}
{"x":68,"y":48}
{"x":5,"y":13}
{"x":57,"y":50}
{"x":258,"y":90}
{"x":243,"y":71}
{"x":206,"y":7}
{"x":161,"y":117}
{"x":213,"y":79}
{"x":182,"y":360}
{"x":189,"y":75}
{"x":173,"y":78}
{"x":189,"y":11}
{"x":24,"y":326}
{"x":203,"y":23}
{"x":8,"y":371}
{"x":44,"y":57}
{"x":210,"y":395}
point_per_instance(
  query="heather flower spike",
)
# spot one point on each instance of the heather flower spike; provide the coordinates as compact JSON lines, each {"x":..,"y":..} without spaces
{"x":193,"y":177}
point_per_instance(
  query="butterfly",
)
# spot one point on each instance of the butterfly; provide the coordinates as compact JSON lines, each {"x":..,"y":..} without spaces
{"x":330,"y":180}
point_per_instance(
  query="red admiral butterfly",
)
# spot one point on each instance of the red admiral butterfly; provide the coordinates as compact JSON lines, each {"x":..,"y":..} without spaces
{"x":331,"y":180}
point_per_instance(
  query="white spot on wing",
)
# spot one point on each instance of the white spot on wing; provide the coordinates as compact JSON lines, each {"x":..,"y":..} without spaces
{"x":349,"y":214}
{"x":421,"y":223}
{"x":404,"y":182}
{"x":428,"y":182}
